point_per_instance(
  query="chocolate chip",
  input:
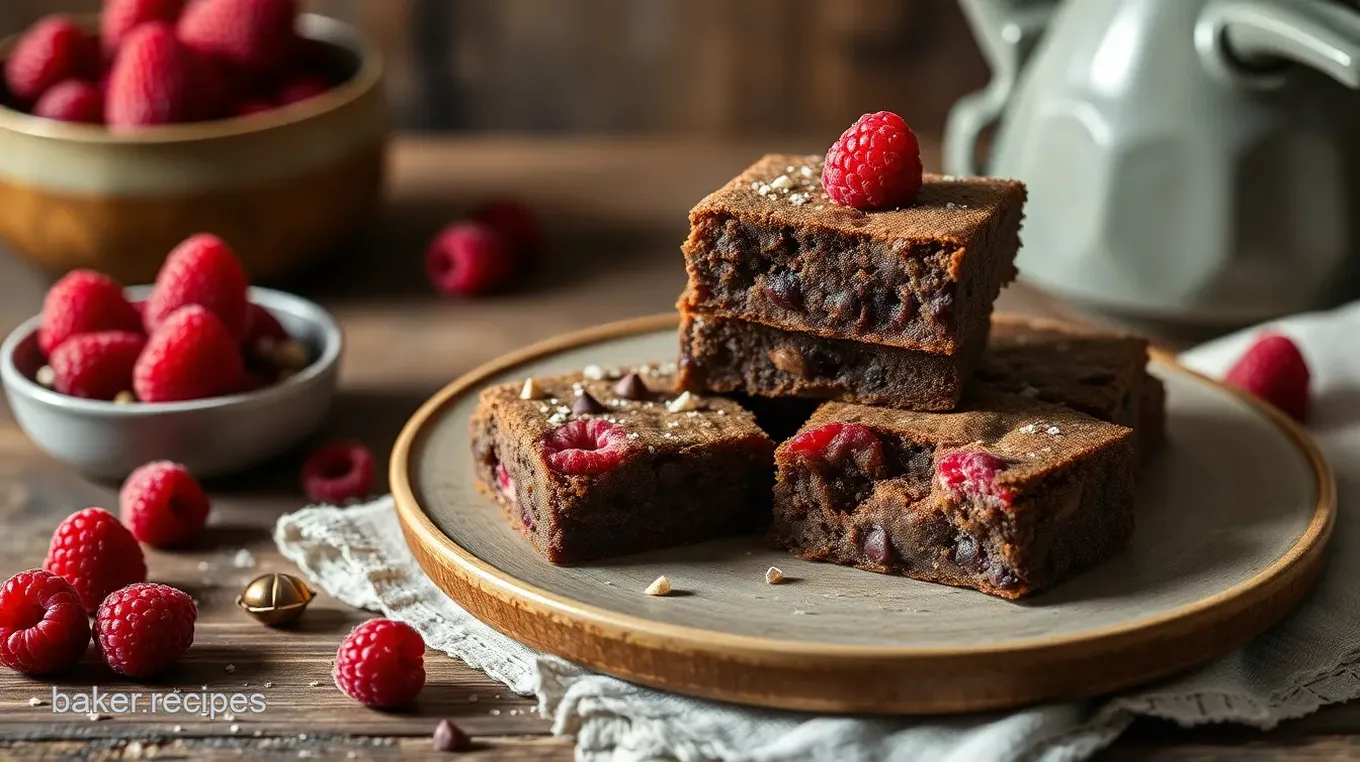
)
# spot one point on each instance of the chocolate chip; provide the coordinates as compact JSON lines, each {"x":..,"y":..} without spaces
{"x":876,"y":546}
{"x":632,"y":387}
{"x":450,"y":737}
{"x":587,"y":405}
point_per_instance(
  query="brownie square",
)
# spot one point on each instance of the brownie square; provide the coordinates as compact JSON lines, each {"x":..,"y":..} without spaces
{"x":587,"y":466}
{"x":770,"y":247}
{"x":727,"y":355}
{"x":1008,"y":495}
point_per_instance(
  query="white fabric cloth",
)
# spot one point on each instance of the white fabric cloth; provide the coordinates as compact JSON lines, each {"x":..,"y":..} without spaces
{"x":358,"y":555}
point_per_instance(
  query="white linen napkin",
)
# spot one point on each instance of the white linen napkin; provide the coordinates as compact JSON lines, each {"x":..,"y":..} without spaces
{"x":358,"y":555}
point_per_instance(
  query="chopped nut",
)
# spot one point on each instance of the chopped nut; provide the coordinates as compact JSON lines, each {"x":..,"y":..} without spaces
{"x":230,"y":668}
{"x":660,"y":586}
{"x":46,"y":376}
{"x":35,"y":701}
{"x":685,"y":401}
{"x":124,"y":397}
{"x":782,"y":182}
{"x":774,"y":576}
{"x":530,"y":390}
{"x":593,"y":372}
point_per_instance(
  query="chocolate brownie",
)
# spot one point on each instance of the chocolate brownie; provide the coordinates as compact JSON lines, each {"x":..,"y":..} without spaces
{"x":770,"y":247}
{"x":1008,"y":495}
{"x":1096,"y":372}
{"x":589,"y":467}
{"x":726,"y":355}
{"x":1151,"y":428}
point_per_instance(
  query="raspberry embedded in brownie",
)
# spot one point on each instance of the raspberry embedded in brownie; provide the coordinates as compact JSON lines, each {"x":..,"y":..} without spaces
{"x":607,"y":462}
{"x":1007,"y":495}
{"x":770,"y":247}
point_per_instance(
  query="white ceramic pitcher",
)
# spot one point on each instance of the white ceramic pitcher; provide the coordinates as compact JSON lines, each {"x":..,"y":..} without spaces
{"x":1196,"y":161}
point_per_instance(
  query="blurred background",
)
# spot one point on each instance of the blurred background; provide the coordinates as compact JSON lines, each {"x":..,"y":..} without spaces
{"x":702,"y":68}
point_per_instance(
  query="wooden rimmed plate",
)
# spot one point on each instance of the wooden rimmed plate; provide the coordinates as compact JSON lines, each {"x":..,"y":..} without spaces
{"x":1233,"y":518}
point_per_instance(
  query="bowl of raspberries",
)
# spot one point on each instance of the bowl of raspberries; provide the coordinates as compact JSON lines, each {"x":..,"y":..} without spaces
{"x":200,"y":367}
{"x":126,"y":132}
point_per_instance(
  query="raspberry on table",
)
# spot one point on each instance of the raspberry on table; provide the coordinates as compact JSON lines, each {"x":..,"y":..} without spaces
{"x":973,"y":472}
{"x":72,"y":100}
{"x":515,"y":223}
{"x":381,"y":664}
{"x":84,"y":301}
{"x":96,"y":365}
{"x":468,"y":258}
{"x":143,"y":628}
{"x":43,"y":626}
{"x":190,"y":356}
{"x":585,"y":447}
{"x":149,"y":83}
{"x":202,"y":270}
{"x":51,"y":51}
{"x":338,"y":472}
{"x":875,"y":164}
{"x":96,"y":554}
{"x":163,"y":505}
{"x":255,"y":36}
{"x":1274,"y":370}
{"x":119,"y":17}
{"x":836,"y":441}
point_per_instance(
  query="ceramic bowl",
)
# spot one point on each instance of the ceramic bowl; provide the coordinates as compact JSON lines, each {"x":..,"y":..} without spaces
{"x":211,"y":437}
{"x":281,"y":187}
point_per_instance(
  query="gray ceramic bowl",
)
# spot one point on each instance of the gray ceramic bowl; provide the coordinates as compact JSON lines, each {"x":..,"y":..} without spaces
{"x":211,"y":437}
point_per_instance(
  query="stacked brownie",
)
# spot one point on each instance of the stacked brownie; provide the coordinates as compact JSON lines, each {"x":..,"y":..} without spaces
{"x":792,"y":295}
{"x":917,"y":433}
{"x":997,"y":454}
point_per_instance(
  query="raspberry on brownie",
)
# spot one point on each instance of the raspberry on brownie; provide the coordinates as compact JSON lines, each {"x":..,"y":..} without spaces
{"x":1006,"y":495}
{"x":771,"y":247}
{"x":600,"y":464}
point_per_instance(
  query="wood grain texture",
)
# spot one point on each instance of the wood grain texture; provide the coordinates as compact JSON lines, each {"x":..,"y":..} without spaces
{"x":613,"y":254}
{"x":922,"y":648}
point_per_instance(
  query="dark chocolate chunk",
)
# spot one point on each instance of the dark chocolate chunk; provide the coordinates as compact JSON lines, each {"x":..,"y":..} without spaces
{"x":450,"y":737}
{"x":632,"y":387}
{"x":587,"y":405}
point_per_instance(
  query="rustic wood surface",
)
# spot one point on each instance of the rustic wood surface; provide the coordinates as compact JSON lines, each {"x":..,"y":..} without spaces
{"x":616,"y":213}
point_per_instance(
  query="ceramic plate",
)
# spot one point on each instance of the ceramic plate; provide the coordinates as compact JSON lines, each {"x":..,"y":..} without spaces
{"x":1233,"y":517}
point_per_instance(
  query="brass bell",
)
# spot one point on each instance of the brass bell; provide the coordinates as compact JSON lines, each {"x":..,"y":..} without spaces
{"x":276,"y":599}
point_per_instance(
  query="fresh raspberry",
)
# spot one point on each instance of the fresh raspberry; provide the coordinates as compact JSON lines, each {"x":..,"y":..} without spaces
{"x":190,"y":356}
{"x":834,"y":442}
{"x":973,"y":472}
{"x":876,"y":164}
{"x":150,"y":82}
{"x":43,"y":627}
{"x":302,"y":87}
{"x":585,"y":447}
{"x":251,"y":106}
{"x":144,"y":628}
{"x":120,"y":16}
{"x":72,"y":100}
{"x":468,"y":258}
{"x":381,"y":663}
{"x":84,"y":301}
{"x":251,"y":35}
{"x":202,"y":270}
{"x":163,"y":505}
{"x":51,"y":51}
{"x":96,"y":554}
{"x":96,"y":365}
{"x":505,"y":484}
{"x":337,"y":472}
{"x":515,"y":223}
{"x":1274,"y":370}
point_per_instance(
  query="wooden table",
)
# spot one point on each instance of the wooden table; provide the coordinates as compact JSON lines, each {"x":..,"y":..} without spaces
{"x":616,"y":214}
